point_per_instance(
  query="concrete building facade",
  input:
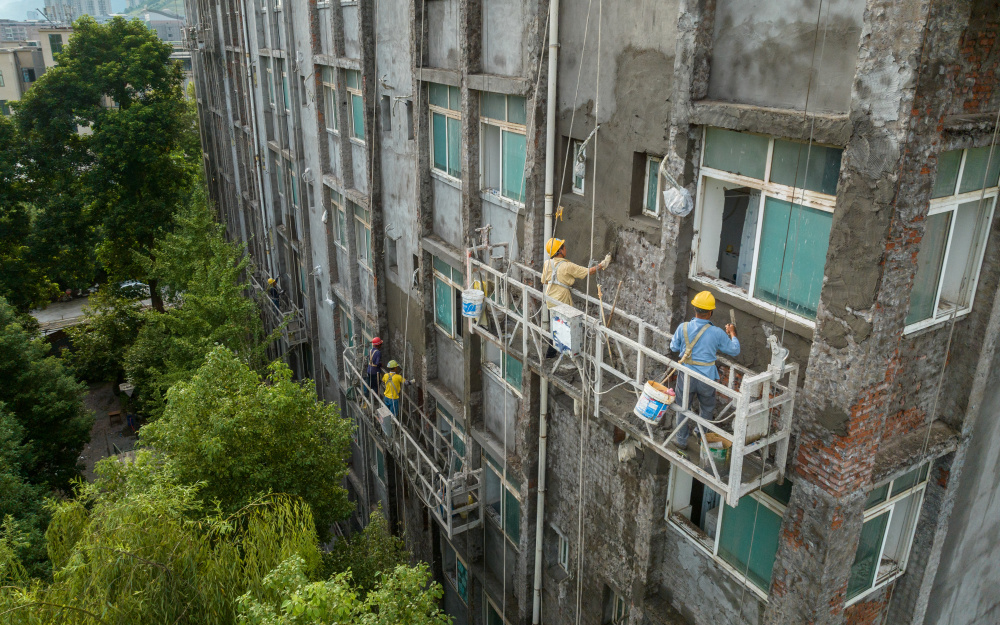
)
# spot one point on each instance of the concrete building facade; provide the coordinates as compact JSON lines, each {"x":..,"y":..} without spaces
{"x":379,"y":158}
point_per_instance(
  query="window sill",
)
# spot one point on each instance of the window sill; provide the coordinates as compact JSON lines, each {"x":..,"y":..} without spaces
{"x":499,"y":200}
{"x":735,"y":297}
{"x":928,"y":325}
{"x":333,"y":132}
{"x":449,"y":180}
{"x":887,"y":579}
{"x":357,"y":141}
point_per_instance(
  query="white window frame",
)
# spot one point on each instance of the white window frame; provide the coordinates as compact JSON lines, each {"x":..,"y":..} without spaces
{"x":339,"y":215}
{"x":487,"y":605}
{"x":500,"y":372}
{"x":451,"y":429}
{"x":355,"y":92}
{"x":362,"y":225}
{"x":950,"y":203}
{"x":346,"y":325}
{"x":504,"y":126}
{"x":577,"y":149}
{"x":919,"y":489}
{"x":329,"y":76}
{"x":447,"y":113}
{"x":456,"y":295}
{"x":506,"y":486}
{"x":619,"y":609}
{"x":795,"y":195}
{"x":653,"y":171}
{"x":562,"y":549}
{"x":710,"y":546}
{"x":270,"y":86}
{"x":1,"y":78}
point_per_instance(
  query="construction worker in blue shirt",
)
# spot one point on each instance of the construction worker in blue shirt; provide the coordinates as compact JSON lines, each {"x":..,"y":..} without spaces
{"x":698,"y":342}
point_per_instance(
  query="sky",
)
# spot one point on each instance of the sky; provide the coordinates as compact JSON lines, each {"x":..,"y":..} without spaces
{"x":18,"y":9}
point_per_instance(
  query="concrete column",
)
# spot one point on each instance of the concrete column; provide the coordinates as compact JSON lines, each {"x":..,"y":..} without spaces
{"x":900,"y":95}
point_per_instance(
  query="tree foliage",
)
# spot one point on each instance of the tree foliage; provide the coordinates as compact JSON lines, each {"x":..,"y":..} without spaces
{"x":21,"y":509}
{"x":45,"y":400}
{"x":367,"y":554}
{"x":110,"y":326}
{"x":242,"y":435}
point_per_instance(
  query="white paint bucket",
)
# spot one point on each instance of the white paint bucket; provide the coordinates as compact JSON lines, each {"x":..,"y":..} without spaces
{"x":472,"y":303}
{"x":654,"y":401}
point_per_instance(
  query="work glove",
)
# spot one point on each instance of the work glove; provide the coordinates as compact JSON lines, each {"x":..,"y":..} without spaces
{"x":604,"y":263}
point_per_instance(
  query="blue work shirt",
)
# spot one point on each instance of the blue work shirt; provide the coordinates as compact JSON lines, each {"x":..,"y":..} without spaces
{"x":374,"y":362}
{"x":713,"y":341}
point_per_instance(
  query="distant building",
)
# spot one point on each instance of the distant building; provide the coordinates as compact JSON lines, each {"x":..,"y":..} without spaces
{"x":166,"y":24}
{"x":69,"y":10}
{"x":12,"y":30}
{"x":52,"y":40}
{"x":19,"y":67}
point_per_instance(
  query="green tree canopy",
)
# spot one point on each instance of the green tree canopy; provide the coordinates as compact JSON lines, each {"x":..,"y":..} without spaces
{"x":21,"y":507}
{"x":45,"y":400}
{"x":367,"y":554}
{"x":243,"y":435}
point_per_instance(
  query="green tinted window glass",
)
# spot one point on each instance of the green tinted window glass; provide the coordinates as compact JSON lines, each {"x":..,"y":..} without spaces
{"x":328,"y":75}
{"x":514,"y":146}
{"x":457,"y":275}
{"x":358,"y":116}
{"x":454,"y":147}
{"x":805,"y":166}
{"x":353,"y":79}
{"x":454,"y":99}
{"x":793,"y":245}
{"x":492,"y":618}
{"x":513,"y":369}
{"x":974,"y":174}
{"x":380,"y":463}
{"x":512,"y":517}
{"x":923,"y":472}
{"x":443,"y":305}
{"x":750,"y":522}
{"x":781,"y":493}
{"x":877,"y":496}
{"x":494,"y":106}
{"x":459,"y":445}
{"x":440,"y":142}
{"x":284,"y":89}
{"x":439,"y":95}
{"x":517,"y":112}
{"x":462,"y":581}
{"x":441,"y":266}
{"x":906,"y":481}
{"x":736,"y":152}
{"x":866,"y":558}
{"x":930,"y":259}
{"x":947,"y":174}
{"x":652,"y":171}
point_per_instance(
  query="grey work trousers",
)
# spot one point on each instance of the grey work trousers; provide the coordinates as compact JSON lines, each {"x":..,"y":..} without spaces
{"x":706,"y":402}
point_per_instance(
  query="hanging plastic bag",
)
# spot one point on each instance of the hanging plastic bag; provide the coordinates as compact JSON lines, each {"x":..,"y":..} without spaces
{"x":676,"y":199}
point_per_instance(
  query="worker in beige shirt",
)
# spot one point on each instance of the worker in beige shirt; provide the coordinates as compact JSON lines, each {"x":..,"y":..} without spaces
{"x":557,"y":288}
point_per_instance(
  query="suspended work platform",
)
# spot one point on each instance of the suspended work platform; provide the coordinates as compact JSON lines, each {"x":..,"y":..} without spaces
{"x":613,"y":357}
{"x":438,"y":472}
{"x":279,"y":312}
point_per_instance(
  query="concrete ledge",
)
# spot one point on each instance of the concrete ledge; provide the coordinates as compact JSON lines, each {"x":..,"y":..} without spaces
{"x":451,"y":401}
{"x":901,"y":453}
{"x":749,"y":307}
{"x":337,"y":61}
{"x":450,"y":77}
{"x":499,"y":84}
{"x":444,"y":250}
{"x":832,"y":129}
{"x":333,"y":182}
{"x":971,"y":130}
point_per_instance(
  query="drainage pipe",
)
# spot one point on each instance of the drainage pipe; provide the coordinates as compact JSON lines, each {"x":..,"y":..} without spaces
{"x":543,"y":388}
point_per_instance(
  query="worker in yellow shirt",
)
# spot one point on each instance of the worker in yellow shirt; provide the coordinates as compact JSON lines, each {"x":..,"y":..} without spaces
{"x":393,"y":383}
{"x":559,"y":274}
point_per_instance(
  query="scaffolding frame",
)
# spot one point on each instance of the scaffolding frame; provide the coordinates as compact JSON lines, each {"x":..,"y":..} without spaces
{"x":754,"y":423}
{"x":428,"y":455}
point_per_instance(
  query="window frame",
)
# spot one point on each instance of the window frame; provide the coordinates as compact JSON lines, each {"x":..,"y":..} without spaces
{"x":710,"y":546}
{"x":490,"y":604}
{"x":339,"y":214}
{"x":455,"y":332}
{"x":578,"y":146}
{"x":507,"y":487}
{"x":55,"y":47}
{"x":286,"y":93}
{"x":355,"y":92}
{"x":500,"y":372}
{"x":1,"y":78}
{"x":447,"y":113}
{"x":452,"y":575}
{"x":562,"y":549}
{"x":888,"y":506}
{"x":950,"y":204}
{"x":454,"y":430}
{"x":330,"y":103}
{"x":654,"y":174}
{"x":505,"y":126}
{"x":363,"y":226}
{"x":796,"y":196}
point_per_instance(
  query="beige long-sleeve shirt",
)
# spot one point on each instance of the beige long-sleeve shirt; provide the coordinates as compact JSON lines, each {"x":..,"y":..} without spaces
{"x":567,"y":273}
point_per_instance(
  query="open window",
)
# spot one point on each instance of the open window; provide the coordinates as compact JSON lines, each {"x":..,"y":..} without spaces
{"x":356,"y":110}
{"x":765,"y":210}
{"x":891,"y":514}
{"x":448,"y":283}
{"x":955,"y":232}
{"x":503,"y":144}
{"x":330,"y":99}
{"x":503,"y":504}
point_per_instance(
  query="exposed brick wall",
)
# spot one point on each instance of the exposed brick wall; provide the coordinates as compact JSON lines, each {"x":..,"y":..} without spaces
{"x":976,"y":91}
{"x":867,"y":612}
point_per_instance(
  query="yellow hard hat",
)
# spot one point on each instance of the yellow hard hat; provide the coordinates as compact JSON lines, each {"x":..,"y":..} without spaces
{"x":553,"y":245}
{"x":704,"y":301}
{"x":270,"y":281}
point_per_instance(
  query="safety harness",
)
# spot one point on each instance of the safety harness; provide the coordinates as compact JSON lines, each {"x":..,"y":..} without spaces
{"x":689,"y":346}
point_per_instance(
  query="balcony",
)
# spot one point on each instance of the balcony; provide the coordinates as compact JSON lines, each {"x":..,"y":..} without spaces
{"x":619,"y":352}
{"x":279,"y":312}
{"x":439,"y":473}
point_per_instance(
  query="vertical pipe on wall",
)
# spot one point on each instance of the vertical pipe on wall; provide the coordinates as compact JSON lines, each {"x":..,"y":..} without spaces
{"x":543,"y":391}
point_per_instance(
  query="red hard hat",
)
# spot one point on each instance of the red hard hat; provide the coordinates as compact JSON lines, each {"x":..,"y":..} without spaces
{"x":376,"y":341}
